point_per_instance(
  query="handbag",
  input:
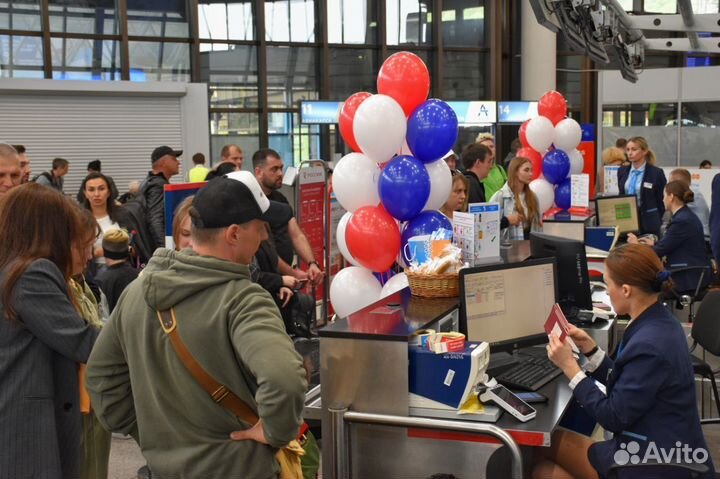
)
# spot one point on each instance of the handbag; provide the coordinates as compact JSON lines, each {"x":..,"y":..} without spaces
{"x":287,"y":457}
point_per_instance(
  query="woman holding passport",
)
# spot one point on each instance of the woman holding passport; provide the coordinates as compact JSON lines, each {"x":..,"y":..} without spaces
{"x":645,"y":395}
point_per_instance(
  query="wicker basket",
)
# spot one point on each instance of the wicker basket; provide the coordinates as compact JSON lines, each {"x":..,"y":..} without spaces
{"x":433,"y":285}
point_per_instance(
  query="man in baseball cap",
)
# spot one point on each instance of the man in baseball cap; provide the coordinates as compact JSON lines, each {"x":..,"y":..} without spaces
{"x":230,"y":325}
{"x":165,"y":164}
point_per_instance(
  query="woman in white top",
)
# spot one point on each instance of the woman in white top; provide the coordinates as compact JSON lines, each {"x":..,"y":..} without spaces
{"x":96,"y":189}
{"x":516,"y":198}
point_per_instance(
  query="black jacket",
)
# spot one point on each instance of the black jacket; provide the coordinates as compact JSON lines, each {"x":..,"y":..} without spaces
{"x":476,"y":190}
{"x":153,"y":189}
{"x":651,"y":194}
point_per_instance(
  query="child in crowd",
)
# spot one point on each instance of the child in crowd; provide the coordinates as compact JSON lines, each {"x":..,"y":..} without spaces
{"x":119,"y":272}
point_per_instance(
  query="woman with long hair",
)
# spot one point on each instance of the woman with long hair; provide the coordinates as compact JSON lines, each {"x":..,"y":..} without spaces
{"x":95,"y":443}
{"x":457,"y":201}
{"x":649,"y":386}
{"x":683,"y":244}
{"x":646,"y":181}
{"x":98,"y":199}
{"x":517,"y":198}
{"x":42,"y":337}
{"x":181,"y":225}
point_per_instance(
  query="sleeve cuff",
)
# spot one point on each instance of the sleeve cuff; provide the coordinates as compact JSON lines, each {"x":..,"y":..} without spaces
{"x":576,"y":379}
{"x":595,"y":361}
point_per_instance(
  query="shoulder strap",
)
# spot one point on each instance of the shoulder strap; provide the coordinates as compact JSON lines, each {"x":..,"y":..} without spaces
{"x":218,"y":392}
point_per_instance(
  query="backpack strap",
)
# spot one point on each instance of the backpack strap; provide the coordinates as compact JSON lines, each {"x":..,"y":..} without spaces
{"x":217,"y":391}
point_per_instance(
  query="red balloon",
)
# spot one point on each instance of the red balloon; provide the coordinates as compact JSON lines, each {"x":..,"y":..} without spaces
{"x":552,"y":105}
{"x":373,"y":238}
{"x":406,"y":79}
{"x":521,"y":134}
{"x":534,"y":157}
{"x":347,"y":115}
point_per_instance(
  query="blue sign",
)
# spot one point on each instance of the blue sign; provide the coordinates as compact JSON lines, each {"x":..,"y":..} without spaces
{"x":474,"y":112}
{"x":516,"y":111}
{"x":486,"y":208}
{"x":320,"y":112}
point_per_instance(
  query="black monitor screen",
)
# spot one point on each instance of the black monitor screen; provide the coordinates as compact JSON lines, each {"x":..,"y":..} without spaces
{"x":620,"y":211}
{"x":572,"y":268}
{"x":507,"y":305}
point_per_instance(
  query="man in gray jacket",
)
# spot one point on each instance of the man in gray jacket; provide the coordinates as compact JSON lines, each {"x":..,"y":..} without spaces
{"x":230,"y":325}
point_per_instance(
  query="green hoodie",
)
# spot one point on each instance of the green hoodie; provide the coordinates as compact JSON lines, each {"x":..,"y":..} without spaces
{"x":232,"y":327}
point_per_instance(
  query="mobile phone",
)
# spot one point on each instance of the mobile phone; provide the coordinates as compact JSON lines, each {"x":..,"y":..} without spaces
{"x":531,"y":397}
{"x":507,"y":400}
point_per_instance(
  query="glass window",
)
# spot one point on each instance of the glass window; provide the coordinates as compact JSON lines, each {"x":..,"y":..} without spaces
{"x":699,"y":133}
{"x":151,"y":61}
{"x":408,"y":22}
{"x":463,"y":76}
{"x":226,"y":20}
{"x":569,"y":78}
{"x":295,"y":142}
{"x":234,"y":128}
{"x":640,"y":114}
{"x":626,"y":5}
{"x":166,"y":18}
{"x":660,"y":6}
{"x":351,"y":71}
{"x":463,"y":25}
{"x":292,"y":75}
{"x":352,"y":21}
{"x":290,"y":20}
{"x":88,"y":16}
{"x":21,"y":56}
{"x":231,"y":74}
{"x":85,"y":59}
{"x":20,"y":15}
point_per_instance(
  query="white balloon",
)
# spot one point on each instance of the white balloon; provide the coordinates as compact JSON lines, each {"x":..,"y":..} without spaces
{"x":355,"y":181}
{"x":352,"y":289}
{"x":394,"y":284}
{"x":379,"y":127}
{"x":540,"y":133}
{"x":440,"y":184}
{"x":340,"y":236}
{"x":545,"y":193}
{"x":567,"y":135}
{"x":577,"y":162}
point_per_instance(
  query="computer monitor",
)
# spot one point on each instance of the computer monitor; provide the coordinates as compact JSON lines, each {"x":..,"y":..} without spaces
{"x":620,"y":211}
{"x":572,"y":268}
{"x":507,"y":305}
{"x":565,"y":229}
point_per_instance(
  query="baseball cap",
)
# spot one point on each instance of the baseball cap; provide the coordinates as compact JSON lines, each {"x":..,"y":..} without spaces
{"x":233,"y":199}
{"x":161,"y":151}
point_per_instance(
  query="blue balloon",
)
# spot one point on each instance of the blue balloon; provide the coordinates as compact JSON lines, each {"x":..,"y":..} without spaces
{"x":384,"y":277}
{"x":556,"y":166}
{"x":432,"y":130}
{"x":562,"y":194}
{"x":424,"y":224}
{"x":404,"y":187}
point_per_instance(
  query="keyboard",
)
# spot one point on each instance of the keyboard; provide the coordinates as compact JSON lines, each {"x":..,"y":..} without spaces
{"x":529,"y":375}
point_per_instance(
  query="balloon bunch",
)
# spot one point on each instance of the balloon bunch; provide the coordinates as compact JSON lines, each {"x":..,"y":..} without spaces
{"x":394,"y":175}
{"x":550,"y":142}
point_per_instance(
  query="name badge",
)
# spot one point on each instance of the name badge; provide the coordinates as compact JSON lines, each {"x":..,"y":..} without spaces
{"x":647,"y":184}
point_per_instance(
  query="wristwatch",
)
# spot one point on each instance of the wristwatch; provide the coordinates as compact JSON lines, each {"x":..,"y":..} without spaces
{"x":592,"y":351}
{"x":313,"y":262}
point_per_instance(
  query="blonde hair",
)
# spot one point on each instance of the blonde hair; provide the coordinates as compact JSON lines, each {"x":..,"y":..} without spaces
{"x":484,"y":136}
{"x":613,"y":156}
{"x":643,"y":144}
{"x":117,"y":236}
{"x":182,"y":212}
{"x":517,"y":187}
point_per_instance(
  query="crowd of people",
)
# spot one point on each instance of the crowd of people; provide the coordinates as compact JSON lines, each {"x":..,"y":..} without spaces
{"x":68,"y":264}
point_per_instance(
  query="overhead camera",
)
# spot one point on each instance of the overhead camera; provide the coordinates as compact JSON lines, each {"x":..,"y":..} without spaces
{"x":591,"y":28}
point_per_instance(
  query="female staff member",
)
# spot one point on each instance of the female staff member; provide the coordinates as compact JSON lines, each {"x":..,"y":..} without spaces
{"x":650,"y":386}
{"x":519,"y":203}
{"x":646,"y":181}
{"x":96,"y":189}
{"x":684,"y":242}
{"x":457,"y":201}
{"x":42,"y":337}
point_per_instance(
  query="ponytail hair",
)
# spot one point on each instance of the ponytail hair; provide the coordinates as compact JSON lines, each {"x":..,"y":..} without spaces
{"x":643,"y":144}
{"x":638,"y":265}
{"x":680,"y":190}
